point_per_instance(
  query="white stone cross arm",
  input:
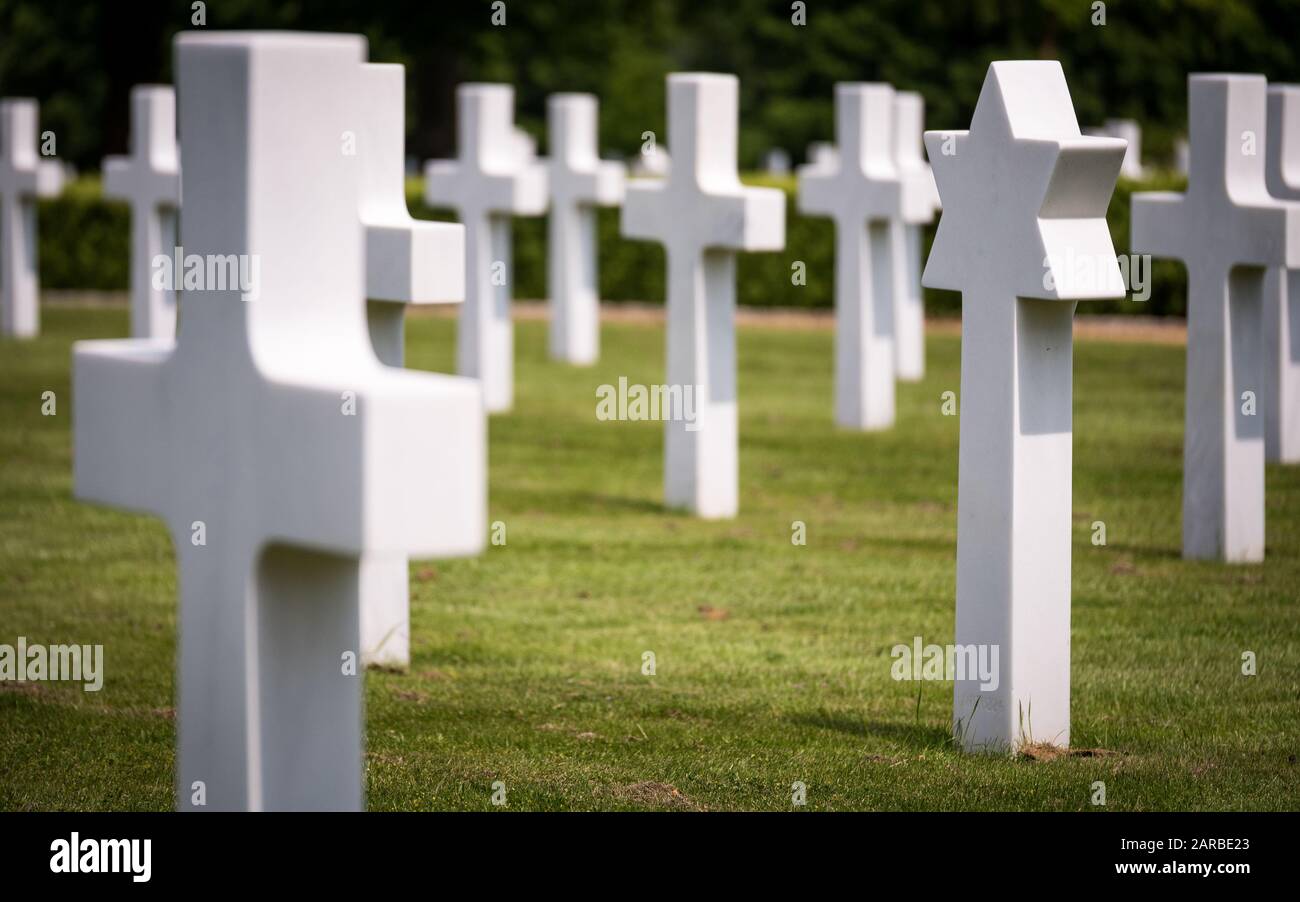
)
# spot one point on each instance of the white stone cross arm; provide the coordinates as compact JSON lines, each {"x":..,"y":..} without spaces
{"x":1281,"y":390}
{"x":864,"y":193}
{"x":149,"y":180}
{"x":1226,"y":229}
{"x":1023,"y":235}
{"x":493,"y":178}
{"x":1227,"y":217}
{"x":702,"y":214}
{"x":919,"y":196}
{"x":24,"y":177}
{"x":579,"y":182}
{"x":276,"y":446}
{"x":702,"y":203}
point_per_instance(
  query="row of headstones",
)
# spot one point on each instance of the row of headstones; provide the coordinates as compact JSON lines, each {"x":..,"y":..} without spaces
{"x":877,"y":183}
{"x":306,"y":503}
{"x":878,"y":206}
{"x":777,"y":161}
{"x":571,"y":184}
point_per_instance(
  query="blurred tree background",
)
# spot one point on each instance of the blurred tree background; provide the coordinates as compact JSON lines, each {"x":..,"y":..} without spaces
{"x":1123,"y":59}
{"x":80,"y":60}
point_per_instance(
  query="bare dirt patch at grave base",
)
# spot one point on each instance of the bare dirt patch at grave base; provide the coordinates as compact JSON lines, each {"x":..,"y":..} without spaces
{"x":22,"y":687}
{"x":1138,"y":329}
{"x":657,"y":795}
{"x":1045,"y":751}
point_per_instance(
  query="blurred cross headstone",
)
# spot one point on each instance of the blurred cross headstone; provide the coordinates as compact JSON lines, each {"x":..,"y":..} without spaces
{"x":494,"y":177}
{"x":149,"y":179}
{"x":1182,"y":156}
{"x":651,"y":163}
{"x":1281,"y":388}
{"x":703,"y":215}
{"x":863,"y":193}
{"x":822,"y":153}
{"x":24,"y":177}
{"x":919,"y":203}
{"x":776,"y":162}
{"x":1226,"y":230}
{"x":579,"y":182}
{"x":408,"y":261}
{"x":1131,"y":132}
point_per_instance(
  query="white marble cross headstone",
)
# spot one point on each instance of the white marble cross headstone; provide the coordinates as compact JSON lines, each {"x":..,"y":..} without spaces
{"x":493,"y":178}
{"x":1131,"y":132}
{"x":579,"y":181}
{"x":863,"y":193}
{"x":777,"y":162}
{"x":703,"y":215}
{"x":277,"y":447}
{"x":408,"y":261}
{"x":822,"y":153}
{"x":1023,"y":236}
{"x":919,"y":200}
{"x":24,"y":176}
{"x":1281,"y":389}
{"x":525,"y":145}
{"x":1226,"y":229}
{"x":651,"y":162}
{"x":149,"y":179}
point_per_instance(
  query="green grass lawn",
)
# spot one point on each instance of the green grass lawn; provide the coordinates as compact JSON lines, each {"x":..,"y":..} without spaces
{"x":772,"y":660}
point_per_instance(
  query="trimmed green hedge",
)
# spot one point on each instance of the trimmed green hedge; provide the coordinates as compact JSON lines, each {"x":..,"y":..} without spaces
{"x":84,"y":245}
{"x":83,"y":240}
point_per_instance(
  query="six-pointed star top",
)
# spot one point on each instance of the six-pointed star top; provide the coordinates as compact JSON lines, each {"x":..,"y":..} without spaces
{"x":1024,"y":194}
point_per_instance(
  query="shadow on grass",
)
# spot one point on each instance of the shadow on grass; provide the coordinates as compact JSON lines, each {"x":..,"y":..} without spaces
{"x":1146,"y":551}
{"x":584,"y":502}
{"x":597,"y":501}
{"x":912,"y":735}
{"x":936,"y":545}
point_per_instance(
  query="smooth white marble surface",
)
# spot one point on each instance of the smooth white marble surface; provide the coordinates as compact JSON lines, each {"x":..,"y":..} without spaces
{"x":1226,"y":229}
{"x":495,"y":176}
{"x":150,"y":181}
{"x":270,"y":423}
{"x":408,"y":261}
{"x":24,"y":176}
{"x":579,"y":182}
{"x":703,"y":215}
{"x":1281,"y":390}
{"x":1024,"y":204}
{"x":863,"y":193}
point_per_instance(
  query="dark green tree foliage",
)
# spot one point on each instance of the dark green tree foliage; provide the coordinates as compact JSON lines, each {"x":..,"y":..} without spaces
{"x":81,"y":60}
